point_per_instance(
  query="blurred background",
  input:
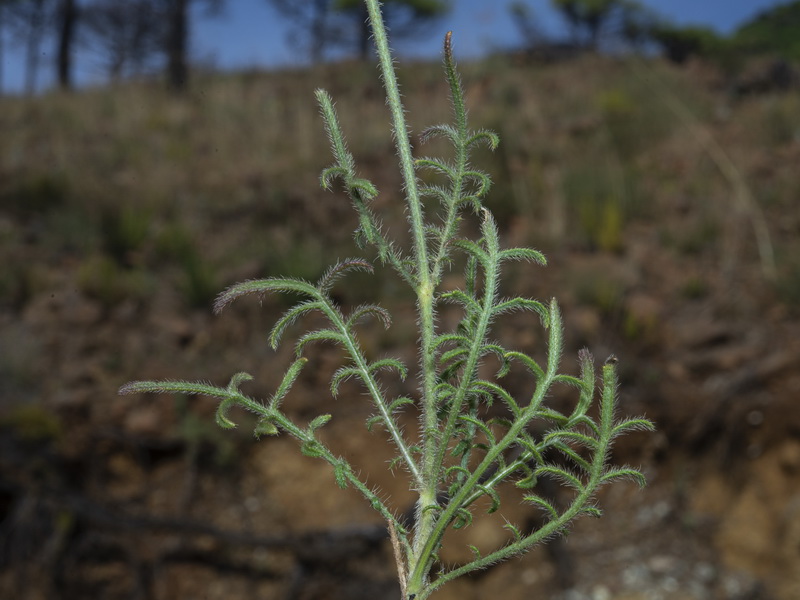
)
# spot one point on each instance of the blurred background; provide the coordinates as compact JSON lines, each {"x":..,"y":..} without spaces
{"x":153,"y":152}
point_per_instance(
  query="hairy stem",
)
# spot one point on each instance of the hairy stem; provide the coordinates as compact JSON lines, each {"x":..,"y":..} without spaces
{"x":425,"y":285}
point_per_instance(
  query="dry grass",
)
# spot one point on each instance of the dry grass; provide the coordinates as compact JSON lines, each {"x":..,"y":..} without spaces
{"x":113,"y":171}
{"x":122,"y":211}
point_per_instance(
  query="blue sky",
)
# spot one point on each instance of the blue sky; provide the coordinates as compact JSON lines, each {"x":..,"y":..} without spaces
{"x":249,"y":34}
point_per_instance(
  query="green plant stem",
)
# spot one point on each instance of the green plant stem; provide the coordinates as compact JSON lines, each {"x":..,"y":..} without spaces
{"x":553,"y":527}
{"x":491,"y":275}
{"x":418,"y":572}
{"x":374,"y":389}
{"x":456,"y":432}
{"x":425,"y":285}
{"x":460,"y":114}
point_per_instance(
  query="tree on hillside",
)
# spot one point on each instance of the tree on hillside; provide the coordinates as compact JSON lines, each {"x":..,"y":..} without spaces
{"x":28,"y":21}
{"x":528,"y":24}
{"x":773,"y":31}
{"x":404,"y":18}
{"x":66,"y":23}
{"x":585,"y":18}
{"x":591,"y":20}
{"x":678,"y":44}
{"x":176,"y":37}
{"x":319,"y":25}
{"x":314,"y":27}
{"x":126,"y":34}
{"x":619,"y":22}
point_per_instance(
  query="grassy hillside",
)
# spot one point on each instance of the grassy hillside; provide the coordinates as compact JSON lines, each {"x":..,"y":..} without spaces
{"x":668,"y":210}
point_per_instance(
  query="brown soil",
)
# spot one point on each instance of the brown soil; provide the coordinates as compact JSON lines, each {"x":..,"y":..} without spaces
{"x":144,"y":497}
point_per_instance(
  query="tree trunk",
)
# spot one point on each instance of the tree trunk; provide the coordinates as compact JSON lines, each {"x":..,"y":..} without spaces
{"x":33,"y":45}
{"x":67,"y":20}
{"x":177,"y":44}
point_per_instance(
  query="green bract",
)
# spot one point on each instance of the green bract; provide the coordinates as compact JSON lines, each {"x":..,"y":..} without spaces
{"x":462,"y":455}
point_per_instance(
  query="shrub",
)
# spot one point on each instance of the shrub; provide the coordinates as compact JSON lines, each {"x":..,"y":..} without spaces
{"x":463,"y":453}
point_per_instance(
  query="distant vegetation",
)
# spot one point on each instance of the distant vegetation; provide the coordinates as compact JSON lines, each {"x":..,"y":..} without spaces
{"x":598,"y":24}
{"x":132,"y":38}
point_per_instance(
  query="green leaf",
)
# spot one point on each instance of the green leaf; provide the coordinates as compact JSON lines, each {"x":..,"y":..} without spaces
{"x":480,"y":425}
{"x":493,"y":495}
{"x":444,"y":130}
{"x":500,"y":353}
{"x":583,"y":421}
{"x":331,"y":121}
{"x":372,"y":310}
{"x":237,"y":380}
{"x":340,"y":473}
{"x":286,"y":383}
{"x":389,"y":364}
{"x":341,"y":375}
{"x":500,"y":392}
{"x":335,"y":272}
{"x":318,"y":422}
{"x":569,"y":380}
{"x":484,"y":136}
{"x":574,"y":436}
{"x":634,"y":424}
{"x":463,"y":518}
{"x":443,"y":391}
{"x":469,"y":303}
{"x":500,"y":422}
{"x":436,"y":192}
{"x":474,"y":250}
{"x":526,"y":254}
{"x":490,"y":236}
{"x":526,"y":360}
{"x":450,"y":370}
{"x":397,"y":403}
{"x":330,"y":174}
{"x":397,"y":460}
{"x":363,"y":188}
{"x":372,"y":421}
{"x":453,"y":354}
{"x":261,"y":287}
{"x":556,"y":339}
{"x":265,"y":426}
{"x":312,"y":448}
{"x":527,"y":483}
{"x":475,"y":201}
{"x":437,"y":165}
{"x":514,"y":531}
{"x":561,"y":474}
{"x":455,"y":470}
{"x":574,"y":456}
{"x":481,"y":181}
{"x":288,"y":318}
{"x":173,"y":387}
{"x":471,"y":275}
{"x":523,"y":304}
{"x":530,"y":446}
{"x":551,"y":414}
{"x":543,"y":504}
{"x":321,"y":335}
{"x":628,"y":473}
{"x":461,"y":448}
{"x":221,"y":415}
